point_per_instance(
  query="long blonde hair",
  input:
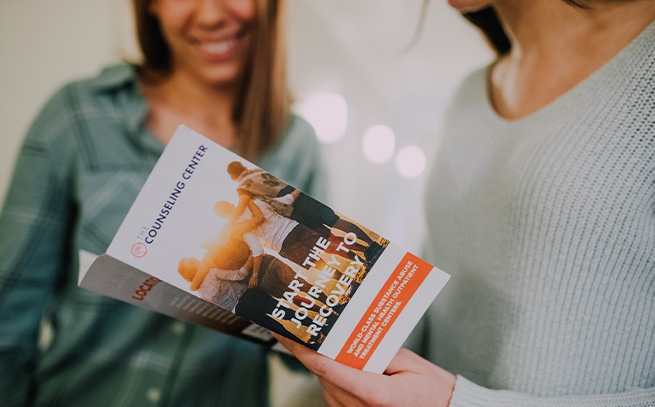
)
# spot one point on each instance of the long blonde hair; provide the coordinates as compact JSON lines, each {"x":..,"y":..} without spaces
{"x":263,"y":101}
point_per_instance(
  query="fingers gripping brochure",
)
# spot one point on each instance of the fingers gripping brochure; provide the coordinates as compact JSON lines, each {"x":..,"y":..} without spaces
{"x":214,"y":240}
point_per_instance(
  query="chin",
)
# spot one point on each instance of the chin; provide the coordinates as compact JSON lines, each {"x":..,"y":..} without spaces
{"x":220,"y":77}
{"x":467,"y":6}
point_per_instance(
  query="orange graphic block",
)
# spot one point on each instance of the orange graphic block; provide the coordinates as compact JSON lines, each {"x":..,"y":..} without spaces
{"x":383,"y":311}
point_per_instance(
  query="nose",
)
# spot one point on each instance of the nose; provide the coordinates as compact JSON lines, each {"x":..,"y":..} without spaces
{"x":210,"y":13}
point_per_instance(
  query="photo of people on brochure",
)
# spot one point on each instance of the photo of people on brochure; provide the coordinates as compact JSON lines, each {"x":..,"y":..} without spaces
{"x":282,"y":259}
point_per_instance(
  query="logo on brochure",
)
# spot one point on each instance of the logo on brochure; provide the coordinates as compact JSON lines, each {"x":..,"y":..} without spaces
{"x":139,"y":250}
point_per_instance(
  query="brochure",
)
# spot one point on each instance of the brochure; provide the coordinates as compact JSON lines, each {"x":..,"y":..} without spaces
{"x":214,"y":240}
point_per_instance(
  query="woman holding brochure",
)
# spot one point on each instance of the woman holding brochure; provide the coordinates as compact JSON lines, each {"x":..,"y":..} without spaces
{"x":541,"y":207}
{"x":216,"y":66}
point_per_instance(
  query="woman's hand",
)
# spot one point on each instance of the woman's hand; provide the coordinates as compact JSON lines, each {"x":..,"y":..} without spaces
{"x":409,"y":380}
{"x":254,"y":281}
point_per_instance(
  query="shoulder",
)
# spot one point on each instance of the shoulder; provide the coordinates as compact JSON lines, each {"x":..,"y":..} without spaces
{"x":97,"y":96}
{"x":299,"y":137}
{"x":79,"y":99}
{"x":473,"y":88}
{"x":89,"y":121}
{"x":300,"y":128}
{"x":111,"y":79}
{"x":470,"y":99}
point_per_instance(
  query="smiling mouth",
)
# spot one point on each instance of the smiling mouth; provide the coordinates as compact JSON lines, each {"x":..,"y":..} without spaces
{"x":220,"y":49}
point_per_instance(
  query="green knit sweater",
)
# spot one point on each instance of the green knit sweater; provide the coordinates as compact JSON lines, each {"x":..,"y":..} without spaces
{"x":547,"y":225}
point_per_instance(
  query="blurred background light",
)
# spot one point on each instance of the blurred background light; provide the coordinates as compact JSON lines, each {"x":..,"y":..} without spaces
{"x":379,"y":143}
{"x":327,"y":113}
{"x":410,"y":162}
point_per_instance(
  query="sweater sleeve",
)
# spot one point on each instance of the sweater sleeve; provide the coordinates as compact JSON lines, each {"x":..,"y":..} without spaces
{"x":468,"y":394}
{"x":34,"y":231}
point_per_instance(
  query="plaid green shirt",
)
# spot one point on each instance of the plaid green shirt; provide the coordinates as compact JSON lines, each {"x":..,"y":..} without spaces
{"x":81,"y":166}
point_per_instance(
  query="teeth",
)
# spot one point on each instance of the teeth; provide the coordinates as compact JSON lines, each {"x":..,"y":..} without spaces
{"x":218,"y":47}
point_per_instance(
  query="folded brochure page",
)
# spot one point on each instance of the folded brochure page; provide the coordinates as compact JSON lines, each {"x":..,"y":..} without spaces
{"x":214,"y":240}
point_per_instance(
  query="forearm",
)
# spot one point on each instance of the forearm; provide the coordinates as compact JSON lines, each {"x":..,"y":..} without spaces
{"x":244,"y":198}
{"x":257,"y":214}
{"x":468,"y":394}
{"x":256,"y":265}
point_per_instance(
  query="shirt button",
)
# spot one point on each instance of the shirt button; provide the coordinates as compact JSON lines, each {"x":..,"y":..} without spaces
{"x":178,"y":328}
{"x":153,"y":394}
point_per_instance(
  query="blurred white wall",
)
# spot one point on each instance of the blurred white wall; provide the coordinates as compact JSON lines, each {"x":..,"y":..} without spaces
{"x":43,"y":44}
{"x":350,"y":47}
{"x":359,"y":49}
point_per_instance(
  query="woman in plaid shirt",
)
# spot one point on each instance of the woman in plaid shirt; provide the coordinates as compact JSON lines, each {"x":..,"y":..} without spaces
{"x":216,"y":66}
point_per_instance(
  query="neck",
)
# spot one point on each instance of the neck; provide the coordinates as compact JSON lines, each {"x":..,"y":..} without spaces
{"x":555,"y":46}
{"x":185,"y":92}
{"x":543,"y":26}
{"x":181,"y":99}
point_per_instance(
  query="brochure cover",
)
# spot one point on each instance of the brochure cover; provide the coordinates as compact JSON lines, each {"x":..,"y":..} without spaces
{"x":214,"y":240}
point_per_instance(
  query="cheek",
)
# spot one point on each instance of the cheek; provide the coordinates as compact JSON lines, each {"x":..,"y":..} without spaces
{"x":244,"y":10}
{"x":173,"y":15}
